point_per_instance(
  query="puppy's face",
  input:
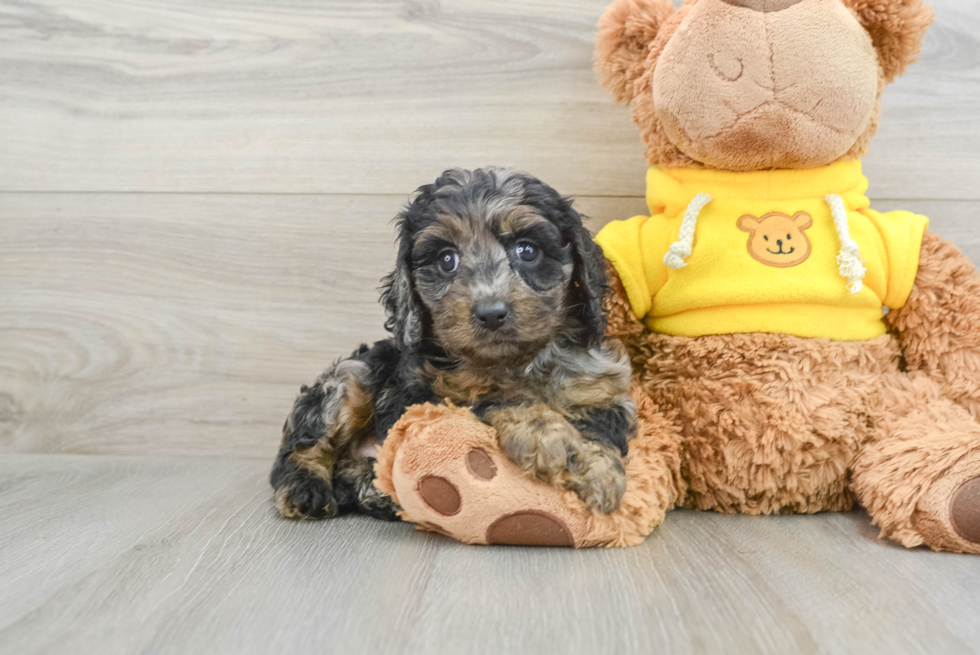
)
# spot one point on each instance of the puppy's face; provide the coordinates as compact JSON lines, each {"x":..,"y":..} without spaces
{"x":493,"y":277}
{"x":495,"y":265}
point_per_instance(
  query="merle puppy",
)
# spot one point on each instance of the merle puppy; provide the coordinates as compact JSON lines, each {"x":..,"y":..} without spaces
{"x":495,"y":302}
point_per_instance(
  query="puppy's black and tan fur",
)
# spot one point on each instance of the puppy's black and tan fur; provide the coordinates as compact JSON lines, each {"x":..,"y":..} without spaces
{"x":495,"y":302}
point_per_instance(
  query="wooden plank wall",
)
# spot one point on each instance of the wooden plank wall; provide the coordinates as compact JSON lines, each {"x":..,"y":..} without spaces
{"x":195,"y":196}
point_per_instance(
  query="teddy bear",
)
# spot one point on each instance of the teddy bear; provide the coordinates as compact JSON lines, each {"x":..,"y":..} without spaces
{"x":793,"y":350}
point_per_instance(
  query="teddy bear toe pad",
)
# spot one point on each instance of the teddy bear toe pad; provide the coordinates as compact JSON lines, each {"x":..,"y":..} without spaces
{"x":440,"y":494}
{"x":480,"y":464}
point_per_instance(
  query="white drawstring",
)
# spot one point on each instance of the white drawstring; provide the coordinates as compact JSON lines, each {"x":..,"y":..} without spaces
{"x":849,"y":260}
{"x":682,"y":248}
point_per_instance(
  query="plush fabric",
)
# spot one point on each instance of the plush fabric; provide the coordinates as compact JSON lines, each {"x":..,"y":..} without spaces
{"x":731,"y":283}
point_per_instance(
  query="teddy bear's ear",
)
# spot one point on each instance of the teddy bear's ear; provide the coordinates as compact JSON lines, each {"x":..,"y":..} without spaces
{"x":626,"y":32}
{"x":897,"y":28}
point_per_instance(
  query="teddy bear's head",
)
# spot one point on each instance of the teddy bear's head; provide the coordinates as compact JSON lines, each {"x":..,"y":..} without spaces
{"x":747,"y":85}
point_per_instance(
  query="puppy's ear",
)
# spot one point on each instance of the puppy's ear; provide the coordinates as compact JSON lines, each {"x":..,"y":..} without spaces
{"x":589,"y":283}
{"x":402,"y":305}
{"x":897,"y":28}
{"x":626,"y":32}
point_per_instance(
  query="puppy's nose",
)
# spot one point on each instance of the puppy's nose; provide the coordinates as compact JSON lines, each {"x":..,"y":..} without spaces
{"x":491,"y":315}
{"x":765,"y":6}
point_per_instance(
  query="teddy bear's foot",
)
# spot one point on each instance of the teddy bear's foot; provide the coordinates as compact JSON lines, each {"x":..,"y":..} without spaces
{"x":446,"y":471}
{"x":948,"y":516}
{"x":449,"y":476}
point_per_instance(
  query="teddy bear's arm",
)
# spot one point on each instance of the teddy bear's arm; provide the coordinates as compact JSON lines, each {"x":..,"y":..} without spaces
{"x":621,"y":322}
{"x":939,"y":325}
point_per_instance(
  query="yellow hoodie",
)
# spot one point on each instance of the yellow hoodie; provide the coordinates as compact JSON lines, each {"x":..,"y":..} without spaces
{"x":791,"y":251}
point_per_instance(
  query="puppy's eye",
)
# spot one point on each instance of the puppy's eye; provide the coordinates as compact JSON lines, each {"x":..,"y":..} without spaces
{"x":448,"y":261}
{"x":527,"y":252}
{"x":788,"y":237}
{"x":765,"y":237}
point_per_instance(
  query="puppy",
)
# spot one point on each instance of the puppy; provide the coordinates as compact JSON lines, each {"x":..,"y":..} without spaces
{"x":495,"y":302}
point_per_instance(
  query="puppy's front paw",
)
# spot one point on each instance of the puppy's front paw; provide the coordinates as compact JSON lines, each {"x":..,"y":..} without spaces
{"x":378,"y":506}
{"x":306,"y":497}
{"x":546,"y":446}
{"x":601,"y":481}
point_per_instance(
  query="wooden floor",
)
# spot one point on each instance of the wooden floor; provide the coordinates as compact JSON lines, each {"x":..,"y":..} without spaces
{"x":194,"y":215}
{"x":146,"y":555}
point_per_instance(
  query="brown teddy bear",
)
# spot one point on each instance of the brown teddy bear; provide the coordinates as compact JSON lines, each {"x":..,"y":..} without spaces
{"x":794,"y":350}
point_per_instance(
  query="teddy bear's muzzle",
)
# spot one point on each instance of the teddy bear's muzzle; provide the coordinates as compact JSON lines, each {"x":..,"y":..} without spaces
{"x":754,"y":84}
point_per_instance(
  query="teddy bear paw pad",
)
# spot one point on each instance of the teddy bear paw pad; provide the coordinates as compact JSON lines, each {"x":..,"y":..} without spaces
{"x":440,"y":494}
{"x":964,"y":510}
{"x":480,"y":464}
{"x":530,"y":528}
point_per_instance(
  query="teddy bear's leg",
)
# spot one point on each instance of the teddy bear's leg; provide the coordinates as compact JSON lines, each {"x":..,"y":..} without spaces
{"x":939,"y":325}
{"x":919,"y":475}
{"x":447,"y":472}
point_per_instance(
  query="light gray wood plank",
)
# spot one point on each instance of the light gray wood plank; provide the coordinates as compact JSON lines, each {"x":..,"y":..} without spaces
{"x":178,"y":324}
{"x":370,"y":97}
{"x":153,"y":555}
{"x":927,"y":143}
{"x":172,"y":324}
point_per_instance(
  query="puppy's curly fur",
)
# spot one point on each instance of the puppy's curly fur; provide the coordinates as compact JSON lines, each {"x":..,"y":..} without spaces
{"x":496,"y":303}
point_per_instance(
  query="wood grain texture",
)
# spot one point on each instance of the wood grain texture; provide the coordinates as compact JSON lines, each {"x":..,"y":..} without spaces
{"x":347,"y":96}
{"x":126,"y":555}
{"x":173,"y":324}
